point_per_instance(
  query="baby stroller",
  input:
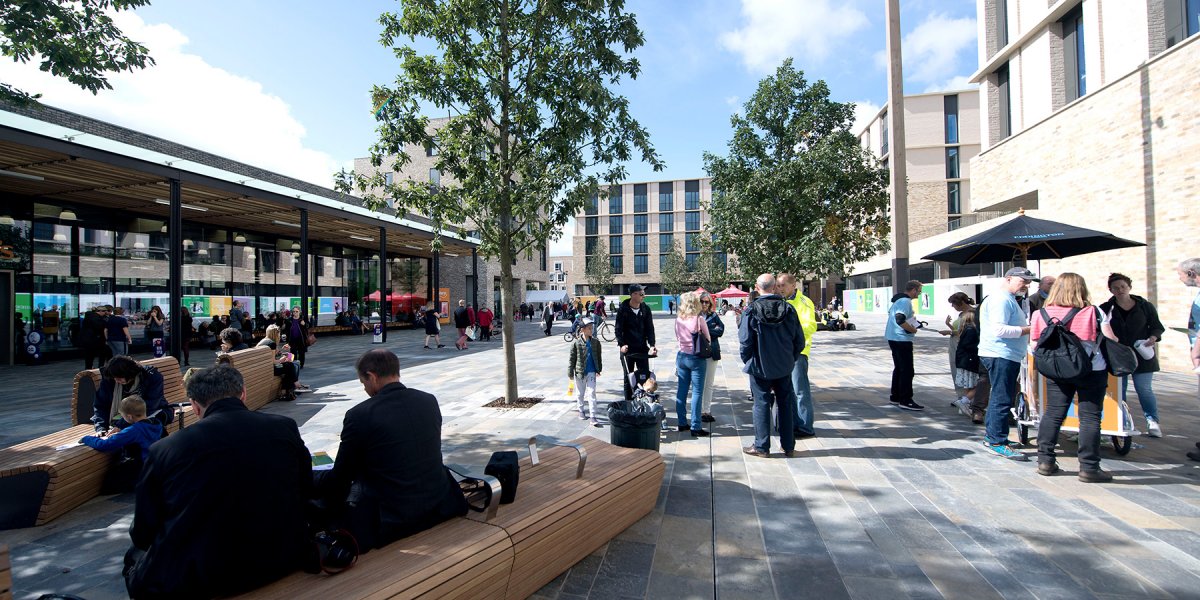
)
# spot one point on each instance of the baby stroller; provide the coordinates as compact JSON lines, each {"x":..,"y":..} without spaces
{"x":645,"y":394}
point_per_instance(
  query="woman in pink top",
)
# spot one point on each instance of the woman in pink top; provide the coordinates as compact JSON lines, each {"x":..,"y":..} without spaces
{"x":690,"y":368}
{"x":1070,"y":292}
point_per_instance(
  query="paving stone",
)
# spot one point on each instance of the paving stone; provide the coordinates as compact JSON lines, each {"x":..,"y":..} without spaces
{"x":807,"y":576}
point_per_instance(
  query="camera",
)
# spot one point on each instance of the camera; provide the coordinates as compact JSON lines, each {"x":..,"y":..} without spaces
{"x":337,"y":550}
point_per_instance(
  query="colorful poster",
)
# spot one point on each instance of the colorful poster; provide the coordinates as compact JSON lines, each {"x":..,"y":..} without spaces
{"x":444,"y":304}
{"x":924,"y":302}
{"x":656,"y":303}
{"x":330,"y":305}
{"x":247,"y":303}
{"x":24,"y":305}
{"x":868,"y":300}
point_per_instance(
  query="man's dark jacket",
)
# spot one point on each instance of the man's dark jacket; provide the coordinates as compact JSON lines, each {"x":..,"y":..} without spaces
{"x":392,"y":449}
{"x":461,"y":319}
{"x":220,"y":506}
{"x":770,"y":338}
{"x":634,"y":328}
{"x":93,"y":331}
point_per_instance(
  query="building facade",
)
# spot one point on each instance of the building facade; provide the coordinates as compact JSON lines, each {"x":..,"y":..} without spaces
{"x":639,"y":225}
{"x":1090,"y":116}
{"x":455,"y":271}
{"x":559,"y":267}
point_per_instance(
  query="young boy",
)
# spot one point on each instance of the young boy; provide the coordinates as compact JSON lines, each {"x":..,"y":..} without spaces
{"x":584,"y":367}
{"x":140,"y":431}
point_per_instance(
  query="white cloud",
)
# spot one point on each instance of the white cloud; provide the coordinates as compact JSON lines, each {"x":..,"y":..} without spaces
{"x":773,"y":30}
{"x":734,"y":103}
{"x":864,"y":111}
{"x":562,"y":246}
{"x":186,"y":100}
{"x":958,"y":82}
{"x":932,"y":51}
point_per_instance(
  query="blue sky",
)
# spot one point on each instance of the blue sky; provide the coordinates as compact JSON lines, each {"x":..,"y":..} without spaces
{"x":284,"y":85}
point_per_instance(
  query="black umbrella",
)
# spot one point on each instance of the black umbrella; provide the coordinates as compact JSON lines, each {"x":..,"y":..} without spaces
{"x":1025,"y":238}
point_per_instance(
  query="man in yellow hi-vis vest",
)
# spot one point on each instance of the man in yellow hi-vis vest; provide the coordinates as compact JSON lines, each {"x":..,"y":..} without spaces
{"x":807,"y":313}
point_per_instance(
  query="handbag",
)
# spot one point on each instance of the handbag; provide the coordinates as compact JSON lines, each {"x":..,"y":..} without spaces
{"x":1122,"y":360}
{"x":505,"y":467}
{"x":701,"y":346}
{"x":310,"y":340}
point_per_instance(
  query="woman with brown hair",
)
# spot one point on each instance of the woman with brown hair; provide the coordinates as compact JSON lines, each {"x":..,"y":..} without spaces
{"x":962,"y":304}
{"x":1068,"y":305}
{"x":1136,"y":323}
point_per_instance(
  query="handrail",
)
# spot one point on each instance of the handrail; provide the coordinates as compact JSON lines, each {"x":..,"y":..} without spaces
{"x":493,"y":502}
{"x":533,"y":454}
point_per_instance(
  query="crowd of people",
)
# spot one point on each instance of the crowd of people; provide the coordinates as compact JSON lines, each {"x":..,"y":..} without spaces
{"x":990,"y":345}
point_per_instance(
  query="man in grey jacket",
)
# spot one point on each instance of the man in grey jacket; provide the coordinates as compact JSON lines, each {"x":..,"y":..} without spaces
{"x":771,"y":341}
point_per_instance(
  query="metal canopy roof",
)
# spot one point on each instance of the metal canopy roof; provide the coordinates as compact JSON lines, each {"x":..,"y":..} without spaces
{"x":72,"y":165}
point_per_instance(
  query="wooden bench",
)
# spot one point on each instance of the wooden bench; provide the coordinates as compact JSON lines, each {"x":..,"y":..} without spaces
{"x":6,"y":591}
{"x":515,"y":550}
{"x":257,"y":366}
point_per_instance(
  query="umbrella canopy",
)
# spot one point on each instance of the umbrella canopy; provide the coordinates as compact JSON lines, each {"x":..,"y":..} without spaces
{"x":1025,"y":238}
{"x":731,"y":292}
{"x":374,"y":296}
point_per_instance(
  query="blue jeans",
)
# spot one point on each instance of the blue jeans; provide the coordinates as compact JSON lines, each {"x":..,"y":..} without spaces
{"x":804,"y":402}
{"x":689,"y":368}
{"x":1003,"y":374}
{"x":1142,"y":383}
{"x":768,"y":392}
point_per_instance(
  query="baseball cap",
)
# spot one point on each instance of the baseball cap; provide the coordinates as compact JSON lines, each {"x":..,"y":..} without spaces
{"x":1021,"y":272}
{"x":635,"y":288}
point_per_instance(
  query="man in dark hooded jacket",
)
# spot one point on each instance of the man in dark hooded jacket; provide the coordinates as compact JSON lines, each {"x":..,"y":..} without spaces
{"x":634,"y":330}
{"x":771,"y":341}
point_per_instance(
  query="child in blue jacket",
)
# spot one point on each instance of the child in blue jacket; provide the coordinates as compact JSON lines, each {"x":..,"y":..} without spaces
{"x":132,"y":442}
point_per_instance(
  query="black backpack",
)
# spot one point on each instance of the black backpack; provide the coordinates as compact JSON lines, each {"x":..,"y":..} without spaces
{"x":1060,"y":354}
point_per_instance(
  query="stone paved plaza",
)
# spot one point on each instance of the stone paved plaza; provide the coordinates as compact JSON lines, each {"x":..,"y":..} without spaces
{"x":881,"y":504}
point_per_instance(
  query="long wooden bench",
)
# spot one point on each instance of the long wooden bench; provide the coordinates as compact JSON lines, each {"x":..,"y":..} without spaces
{"x":565,"y":509}
{"x":42,"y":483}
{"x":6,"y":591}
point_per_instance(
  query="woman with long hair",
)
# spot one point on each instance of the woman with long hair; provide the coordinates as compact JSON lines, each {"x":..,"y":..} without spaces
{"x":1135,"y":321}
{"x":690,"y":368}
{"x":961,"y":303}
{"x":155,"y":322}
{"x":285,"y":367}
{"x":1068,"y":302}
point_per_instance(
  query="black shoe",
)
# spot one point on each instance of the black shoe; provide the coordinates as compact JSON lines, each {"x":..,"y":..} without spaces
{"x":894,"y":401}
{"x":685,"y":427}
{"x":803,"y":436}
{"x":789,"y":453}
{"x":441,"y":345}
{"x":752,"y":451}
{"x":707,"y":418}
{"x":1097,"y":476}
{"x":1198,"y":445}
{"x":1047,"y":468}
{"x":1194,"y":455}
{"x":700,"y":433}
{"x":909,"y":405}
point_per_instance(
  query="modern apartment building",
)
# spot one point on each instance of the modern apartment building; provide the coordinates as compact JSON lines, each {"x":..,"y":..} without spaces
{"x":639,"y":225}
{"x":1090,"y":115}
{"x":456,"y":271}
{"x":559,"y":268}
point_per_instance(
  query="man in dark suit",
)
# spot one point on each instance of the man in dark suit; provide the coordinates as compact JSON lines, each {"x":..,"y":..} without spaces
{"x":388,"y":481}
{"x":220,"y":505}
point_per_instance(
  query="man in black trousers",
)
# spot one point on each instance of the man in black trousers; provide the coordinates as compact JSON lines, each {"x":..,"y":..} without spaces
{"x":388,"y":480}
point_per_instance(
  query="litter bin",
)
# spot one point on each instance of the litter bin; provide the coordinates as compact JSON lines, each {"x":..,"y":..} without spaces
{"x":633,"y":425}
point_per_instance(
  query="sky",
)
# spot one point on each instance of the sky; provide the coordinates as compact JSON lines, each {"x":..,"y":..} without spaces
{"x":285,"y":85}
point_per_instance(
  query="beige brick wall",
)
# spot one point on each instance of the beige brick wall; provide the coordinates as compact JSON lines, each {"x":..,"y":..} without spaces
{"x":1122,"y":160}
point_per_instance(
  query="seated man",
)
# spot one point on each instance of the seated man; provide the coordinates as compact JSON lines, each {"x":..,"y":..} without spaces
{"x":220,"y":505}
{"x":388,"y":480}
{"x":231,"y":340}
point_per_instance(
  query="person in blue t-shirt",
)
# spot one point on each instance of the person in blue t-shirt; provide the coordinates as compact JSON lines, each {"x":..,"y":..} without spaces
{"x":1003,"y":345}
{"x":900,"y":331}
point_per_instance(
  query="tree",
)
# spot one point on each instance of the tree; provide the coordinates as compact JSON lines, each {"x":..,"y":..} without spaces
{"x":711,"y":270}
{"x":598,"y":271}
{"x":73,"y":39}
{"x":407,"y":273}
{"x":674,"y":274}
{"x":797,"y":192}
{"x":534,"y":126}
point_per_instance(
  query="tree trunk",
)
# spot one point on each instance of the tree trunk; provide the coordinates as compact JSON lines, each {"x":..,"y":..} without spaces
{"x":506,"y":307}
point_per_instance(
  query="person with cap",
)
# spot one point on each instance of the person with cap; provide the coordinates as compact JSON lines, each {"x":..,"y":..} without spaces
{"x":634,"y":329}
{"x":1003,"y":340}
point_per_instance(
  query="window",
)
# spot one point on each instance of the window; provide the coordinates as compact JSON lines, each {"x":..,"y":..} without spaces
{"x":662,"y":261}
{"x":693,"y":221}
{"x":666,"y":221}
{"x":691,"y":260}
{"x":952,"y":163}
{"x":615,"y":246}
{"x":953,"y":223}
{"x":617,"y":262}
{"x":432,"y":148}
{"x":689,"y":244}
{"x":641,"y":223}
{"x":639,"y":244}
{"x":666,"y":242}
{"x":950,"y":106}
{"x":589,"y":206}
{"x":1002,"y":89}
{"x":589,"y":245}
{"x":640,"y":266}
{"x":615,"y":224}
{"x":614,"y":200}
{"x":558,"y":266}
{"x":592,"y":225}
{"x":639,"y":198}
{"x":1001,"y":23}
{"x":953,"y":198}
{"x":883,"y":134}
{"x":1182,"y":19}
{"x":1074,"y":63}
{"x":691,"y":195}
{"x":435,"y":178}
{"x":666,"y":198}
{"x":389,"y":178}
{"x":541,"y":259}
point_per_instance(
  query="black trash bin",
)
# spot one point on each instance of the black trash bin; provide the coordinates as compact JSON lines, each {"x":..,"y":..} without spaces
{"x":633,"y":426}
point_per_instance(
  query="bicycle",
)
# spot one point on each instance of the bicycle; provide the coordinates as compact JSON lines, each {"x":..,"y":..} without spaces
{"x":605,"y":333}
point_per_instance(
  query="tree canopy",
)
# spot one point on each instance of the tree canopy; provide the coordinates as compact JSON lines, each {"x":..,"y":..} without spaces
{"x":534,"y":124}
{"x":674,"y":273}
{"x":797,"y":192}
{"x":598,"y":270}
{"x":74,"y":39}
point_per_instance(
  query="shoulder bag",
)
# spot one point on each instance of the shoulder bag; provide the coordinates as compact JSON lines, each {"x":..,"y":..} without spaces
{"x":701,"y":346}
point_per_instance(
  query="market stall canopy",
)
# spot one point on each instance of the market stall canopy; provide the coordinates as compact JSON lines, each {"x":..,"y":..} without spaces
{"x":701,"y":290}
{"x":545,"y":296}
{"x":1024,"y":238}
{"x":731,"y":292}
{"x":374,"y":297}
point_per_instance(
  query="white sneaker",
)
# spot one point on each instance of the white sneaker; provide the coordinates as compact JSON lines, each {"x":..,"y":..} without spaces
{"x":1152,"y":428}
{"x":963,"y":405}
